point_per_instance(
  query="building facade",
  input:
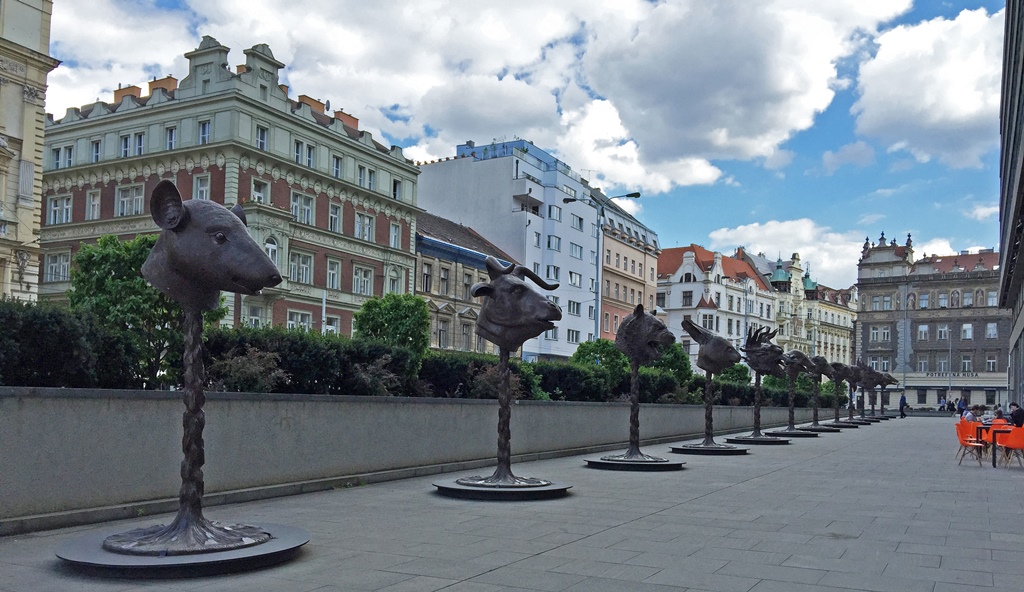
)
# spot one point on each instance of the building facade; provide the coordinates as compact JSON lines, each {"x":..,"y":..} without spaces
{"x":723,"y":294}
{"x":934,"y":323}
{"x":628,"y":264}
{"x":451,"y":258}
{"x":24,"y":65}
{"x":333,"y":208}
{"x":1011,"y":192}
{"x":535,"y":208}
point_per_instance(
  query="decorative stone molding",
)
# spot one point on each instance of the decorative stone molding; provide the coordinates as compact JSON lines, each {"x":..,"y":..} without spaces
{"x":13,"y":67}
{"x":30,"y":94}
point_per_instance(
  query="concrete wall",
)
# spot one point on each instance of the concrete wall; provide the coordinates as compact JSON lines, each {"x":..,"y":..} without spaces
{"x":67,"y":450}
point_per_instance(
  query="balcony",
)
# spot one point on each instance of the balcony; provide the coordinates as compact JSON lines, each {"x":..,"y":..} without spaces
{"x":527,"y":188}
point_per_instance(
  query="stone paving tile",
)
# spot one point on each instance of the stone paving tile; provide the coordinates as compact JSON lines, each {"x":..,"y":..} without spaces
{"x":702,"y":580}
{"x":593,"y":584}
{"x":755,"y":557}
{"x":829,"y":564}
{"x":779,"y":573}
{"x":611,"y":571}
{"x":875,"y":583}
{"x":956,"y":576}
{"x":530,"y":579}
{"x":419,"y":584}
{"x":662,"y":560}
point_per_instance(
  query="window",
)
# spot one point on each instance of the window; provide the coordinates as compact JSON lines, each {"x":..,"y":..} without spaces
{"x":707,"y":321}
{"x":616,"y":290}
{"x":260,"y":191}
{"x":942,"y":333}
{"x":299,"y":149}
{"x":467,"y":285}
{"x":990,"y":363}
{"x":885,"y":333}
{"x":364,"y":227}
{"x":334,"y":218}
{"x":396,"y":190}
{"x":876,"y":303}
{"x":333,"y":274}
{"x":204,"y":132}
{"x":126,"y":147}
{"x":58,"y":267}
{"x":270,"y":248}
{"x":553,"y":272}
{"x":606,"y":322}
{"x":554,"y":243}
{"x":885,"y":364}
{"x":572,"y":336}
{"x":311,"y":155}
{"x":467,"y":338}
{"x":331,"y":325}
{"x":574,"y":308}
{"x":551,"y":334}
{"x":873,"y":362}
{"x":968,"y":298}
{"x":371,"y":177}
{"x":395,"y":282}
{"x":96,"y":151}
{"x":300,"y":267}
{"x":575,"y":279}
{"x":991,"y":298}
{"x":337,"y":166}
{"x":92,"y":205}
{"x":302,"y":208}
{"x":362,"y":281}
{"x":575,"y":251}
{"x":555,"y":213}
{"x":255,"y":316}
{"x":442,"y":333}
{"x":966,"y":364}
{"x":425,"y":283}
{"x":170,"y":138}
{"x":687,"y":298}
{"x":967,"y":331}
{"x":140,"y":143}
{"x":129,"y":201}
{"x":59,"y":210}
{"x":616,"y":259}
{"x":922,"y":332}
{"x":361,"y":179}
{"x":874,"y":334}
{"x":262,"y":136}
{"x":300,"y":320}
{"x":593,"y":284}
{"x":661,"y":300}
{"x":943,"y":300}
{"x":590,"y":312}
{"x":922,"y":301}
{"x":922,"y":365}
{"x":536,"y":239}
{"x":577,"y":222}
{"x":201,"y":187}
{"x":922,"y":396}
{"x":264,"y":92}
{"x":608,"y":256}
{"x":886,"y":302}
{"x":395,"y":236}
{"x":943,"y":363}
{"x":442,"y":281}
{"x":991,"y":330}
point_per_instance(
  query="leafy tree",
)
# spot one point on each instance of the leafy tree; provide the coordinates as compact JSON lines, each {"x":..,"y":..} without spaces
{"x":396,"y":319}
{"x":603,"y":353}
{"x":106,"y":282}
{"x":737,"y":373}
{"x":803,"y":384}
{"x":673,"y":359}
{"x":253,"y":371}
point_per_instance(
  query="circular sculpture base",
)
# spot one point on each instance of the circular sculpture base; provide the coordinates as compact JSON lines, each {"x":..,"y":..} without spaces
{"x":625,"y":462}
{"x":850,"y":425}
{"x":458,"y":488}
{"x":883,"y":417}
{"x":792,"y":434}
{"x":87,"y":554}
{"x":820,"y":429}
{"x":758,"y":440}
{"x":709,"y":449}
{"x":206,"y":536}
{"x":870,"y":419}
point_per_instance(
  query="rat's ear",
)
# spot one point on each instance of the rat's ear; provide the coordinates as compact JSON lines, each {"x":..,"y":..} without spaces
{"x":166,"y":207}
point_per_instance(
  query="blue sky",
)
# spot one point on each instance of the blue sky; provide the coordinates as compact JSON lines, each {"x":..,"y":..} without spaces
{"x":782,"y":125}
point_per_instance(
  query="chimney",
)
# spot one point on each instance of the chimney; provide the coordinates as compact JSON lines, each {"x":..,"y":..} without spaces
{"x":127,"y":90}
{"x":284,"y":88}
{"x":241,"y":69}
{"x":168,"y":83}
{"x":314,"y":104}
{"x":347,"y":119}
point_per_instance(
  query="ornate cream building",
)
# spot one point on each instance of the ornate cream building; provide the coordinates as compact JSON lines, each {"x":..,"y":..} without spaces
{"x":335,"y":209}
{"x":24,"y":65}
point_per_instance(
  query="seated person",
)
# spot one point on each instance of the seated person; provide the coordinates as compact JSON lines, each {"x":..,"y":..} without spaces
{"x":1016,"y":415}
{"x":973,"y":413}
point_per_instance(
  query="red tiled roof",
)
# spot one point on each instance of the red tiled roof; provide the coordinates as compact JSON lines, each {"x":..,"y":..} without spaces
{"x":706,"y":303}
{"x":945,"y":263}
{"x":670,"y":259}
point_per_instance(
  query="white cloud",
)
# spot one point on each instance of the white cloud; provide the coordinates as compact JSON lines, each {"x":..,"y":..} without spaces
{"x":869,"y":219}
{"x":936,"y":246}
{"x":632,"y":206}
{"x":858,"y":154}
{"x":932,"y":89}
{"x":982,"y":212}
{"x":832,"y":255}
{"x":779,"y":159}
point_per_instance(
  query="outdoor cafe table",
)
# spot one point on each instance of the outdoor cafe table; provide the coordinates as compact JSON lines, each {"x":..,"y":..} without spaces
{"x":996,"y":432}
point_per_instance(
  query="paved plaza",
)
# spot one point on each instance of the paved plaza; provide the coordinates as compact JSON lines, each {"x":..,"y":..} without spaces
{"x":881,"y":508}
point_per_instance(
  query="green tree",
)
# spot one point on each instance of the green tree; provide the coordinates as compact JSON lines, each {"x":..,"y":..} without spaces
{"x":603,"y":353}
{"x":106,"y":282}
{"x":737,"y":373}
{"x":673,"y":359}
{"x":396,"y":319}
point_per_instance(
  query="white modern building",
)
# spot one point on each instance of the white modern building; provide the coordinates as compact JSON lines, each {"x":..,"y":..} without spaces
{"x":514,"y":194}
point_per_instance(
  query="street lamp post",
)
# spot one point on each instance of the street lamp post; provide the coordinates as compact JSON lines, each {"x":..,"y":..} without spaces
{"x":599,"y":207}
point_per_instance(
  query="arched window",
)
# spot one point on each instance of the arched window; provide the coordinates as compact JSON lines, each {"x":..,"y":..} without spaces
{"x":270,"y":247}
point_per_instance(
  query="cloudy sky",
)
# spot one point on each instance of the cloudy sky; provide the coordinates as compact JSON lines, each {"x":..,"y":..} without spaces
{"x":780,"y":125}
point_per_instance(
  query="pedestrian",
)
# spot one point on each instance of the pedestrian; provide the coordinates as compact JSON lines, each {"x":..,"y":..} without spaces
{"x":903,"y":406}
{"x":942,"y":404}
{"x":972,"y":413}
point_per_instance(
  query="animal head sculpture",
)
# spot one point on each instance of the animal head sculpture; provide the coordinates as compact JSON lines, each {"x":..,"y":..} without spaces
{"x":797,"y":363}
{"x":513,"y":312}
{"x":715,"y":353}
{"x":204,"y":248}
{"x":640,"y":335}
{"x":871,"y":378}
{"x":840,"y":372}
{"x":820,"y":367}
{"x":763,"y":356}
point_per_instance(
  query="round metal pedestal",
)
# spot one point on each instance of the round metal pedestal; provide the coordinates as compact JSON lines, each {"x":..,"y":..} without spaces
{"x":792,"y":434}
{"x":758,"y":440}
{"x":820,"y":429}
{"x":87,"y":554}
{"x":709,"y":450}
{"x":654,"y":464}
{"x":503,"y":494}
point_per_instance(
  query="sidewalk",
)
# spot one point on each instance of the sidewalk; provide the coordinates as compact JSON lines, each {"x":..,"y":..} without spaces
{"x":881,"y":508}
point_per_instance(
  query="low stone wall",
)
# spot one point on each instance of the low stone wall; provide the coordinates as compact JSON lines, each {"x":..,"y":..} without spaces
{"x":71,"y":456}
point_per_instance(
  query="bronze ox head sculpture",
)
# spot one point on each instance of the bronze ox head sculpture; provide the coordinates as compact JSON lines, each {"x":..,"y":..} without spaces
{"x":512,"y":312}
{"x":715,"y":353}
{"x":763,"y":356}
{"x":640,"y":335}
{"x":204,"y":248}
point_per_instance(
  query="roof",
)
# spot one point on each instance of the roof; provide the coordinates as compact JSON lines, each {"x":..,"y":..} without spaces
{"x":670,"y":260}
{"x":988,"y":260}
{"x":444,"y":230}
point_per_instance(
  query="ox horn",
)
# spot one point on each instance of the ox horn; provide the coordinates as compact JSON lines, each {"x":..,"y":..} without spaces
{"x":495,"y":269}
{"x":521,"y":272}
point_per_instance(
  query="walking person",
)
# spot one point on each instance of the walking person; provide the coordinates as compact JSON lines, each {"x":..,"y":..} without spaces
{"x":903,"y":406}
